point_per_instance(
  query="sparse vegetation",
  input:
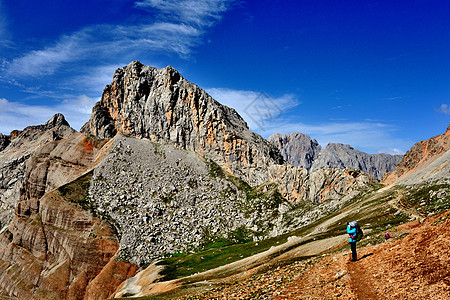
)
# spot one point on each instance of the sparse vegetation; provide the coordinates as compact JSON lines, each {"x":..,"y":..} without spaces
{"x":214,"y":170}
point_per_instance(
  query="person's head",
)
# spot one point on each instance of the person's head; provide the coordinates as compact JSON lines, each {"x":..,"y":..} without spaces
{"x":353,"y":224}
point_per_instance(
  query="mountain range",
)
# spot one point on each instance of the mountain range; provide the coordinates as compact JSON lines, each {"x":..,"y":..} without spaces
{"x":162,"y":169}
{"x":299,"y":149}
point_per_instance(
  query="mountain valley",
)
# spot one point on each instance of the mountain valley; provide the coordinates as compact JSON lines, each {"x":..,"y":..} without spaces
{"x":166,"y":193}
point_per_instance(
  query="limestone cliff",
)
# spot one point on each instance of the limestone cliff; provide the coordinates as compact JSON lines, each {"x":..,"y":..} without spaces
{"x":298,"y":184}
{"x":160,"y":168}
{"x":164,"y":107}
{"x":55,"y":247}
{"x":345,"y":156}
{"x":15,"y":151}
{"x":298,"y":149}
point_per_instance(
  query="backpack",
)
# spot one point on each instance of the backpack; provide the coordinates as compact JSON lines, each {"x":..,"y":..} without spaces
{"x":359,"y":233}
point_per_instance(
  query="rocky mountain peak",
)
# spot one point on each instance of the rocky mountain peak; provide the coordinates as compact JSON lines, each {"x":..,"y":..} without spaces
{"x":341,"y":156}
{"x":297,"y":148}
{"x":161,"y":105}
{"x":426,"y":159}
{"x":56,"y":121}
{"x":300,"y":150}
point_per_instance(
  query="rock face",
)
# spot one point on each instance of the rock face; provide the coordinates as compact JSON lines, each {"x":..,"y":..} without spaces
{"x":166,"y":108}
{"x":298,"y":184}
{"x":425,"y":160}
{"x":161,"y":167}
{"x":4,"y":141}
{"x":15,"y":150}
{"x":343,"y":156}
{"x":54,"y":246}
{"x":166,"y":200}
{"x":298,"y":149}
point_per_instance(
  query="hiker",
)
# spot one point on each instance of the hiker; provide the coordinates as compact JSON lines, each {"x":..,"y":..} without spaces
{"x":352,"y":238}
{"x":387,"y":236}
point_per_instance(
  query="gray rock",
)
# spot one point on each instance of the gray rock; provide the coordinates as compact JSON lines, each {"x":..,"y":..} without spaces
{"x":164,"y":107}
{"x":343,"y":156}
{"x":15,"y":151}
{"x":298,"y":149}
{"x":4,"y":141}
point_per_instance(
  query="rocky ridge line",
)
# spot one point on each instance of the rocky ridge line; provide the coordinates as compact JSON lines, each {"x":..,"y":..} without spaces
{"x":343,"y":156}
{"x":164,"y":107}
{"x":299,"y":149}
{"x":421,"y":155}
{"x":18,"y":148}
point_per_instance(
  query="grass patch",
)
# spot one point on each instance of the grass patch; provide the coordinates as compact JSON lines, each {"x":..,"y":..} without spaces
{"x":77,"y":192}
{"x":426,"y":198}
{"x":214,"y":170}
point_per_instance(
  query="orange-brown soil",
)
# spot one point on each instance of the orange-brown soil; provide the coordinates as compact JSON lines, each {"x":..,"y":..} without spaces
{"x":415,"y":266}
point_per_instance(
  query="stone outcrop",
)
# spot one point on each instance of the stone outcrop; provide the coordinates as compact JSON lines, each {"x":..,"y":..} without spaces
{"x":54,"y":246}
{"x":298,"y":149}
{"x":298,"y":184}
{"x":4,"y":141}
{"x":428,"y":158}
{"x":165,"y":200}
{"x":343,"y":156}
{"x":18,"y":148}
{"x":164,"y":107}
{"x":160,"y":168}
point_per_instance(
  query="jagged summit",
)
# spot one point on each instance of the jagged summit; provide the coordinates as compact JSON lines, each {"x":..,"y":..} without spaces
{"x":300,"y":150}
{"x":337,"y":155}
{"x":161,"y":105}
{"x":297,"y":148}
{"x":56,"y":121}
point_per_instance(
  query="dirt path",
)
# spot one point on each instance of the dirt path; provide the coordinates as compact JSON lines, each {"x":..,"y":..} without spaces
{"x":360,"y":281}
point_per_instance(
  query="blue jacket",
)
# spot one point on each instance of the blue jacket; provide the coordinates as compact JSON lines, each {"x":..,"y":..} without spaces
{"x":351,"y":232}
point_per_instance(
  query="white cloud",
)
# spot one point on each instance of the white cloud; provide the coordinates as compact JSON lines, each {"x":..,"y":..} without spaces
{"x":180,"y":29}
{"x":46,"y":61}
{"x":15,"y":115}
{"x":196,"y":12}
{"x":257,"y":108}
{"x":444,"y":109}
{"x":371,"y":136}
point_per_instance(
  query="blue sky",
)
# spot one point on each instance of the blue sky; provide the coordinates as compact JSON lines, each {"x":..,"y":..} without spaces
{"x":373,"y":74}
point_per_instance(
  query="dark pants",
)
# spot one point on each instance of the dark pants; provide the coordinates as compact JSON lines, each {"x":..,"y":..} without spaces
{"x":353,"y":247}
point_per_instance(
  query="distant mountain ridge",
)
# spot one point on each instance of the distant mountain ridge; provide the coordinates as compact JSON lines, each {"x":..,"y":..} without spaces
{"x":300,"y":150}
{"x":297,"y":148}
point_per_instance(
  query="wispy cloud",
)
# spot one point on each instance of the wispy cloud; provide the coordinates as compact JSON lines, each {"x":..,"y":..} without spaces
{"x":257,"y":108}
{"x":179,"y":28}
{"x":195,"y":12}
{"x":444,"y":109}
{"x":46,"y":61}
{"x":104,"y":42}
{"x":16,"y":115}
